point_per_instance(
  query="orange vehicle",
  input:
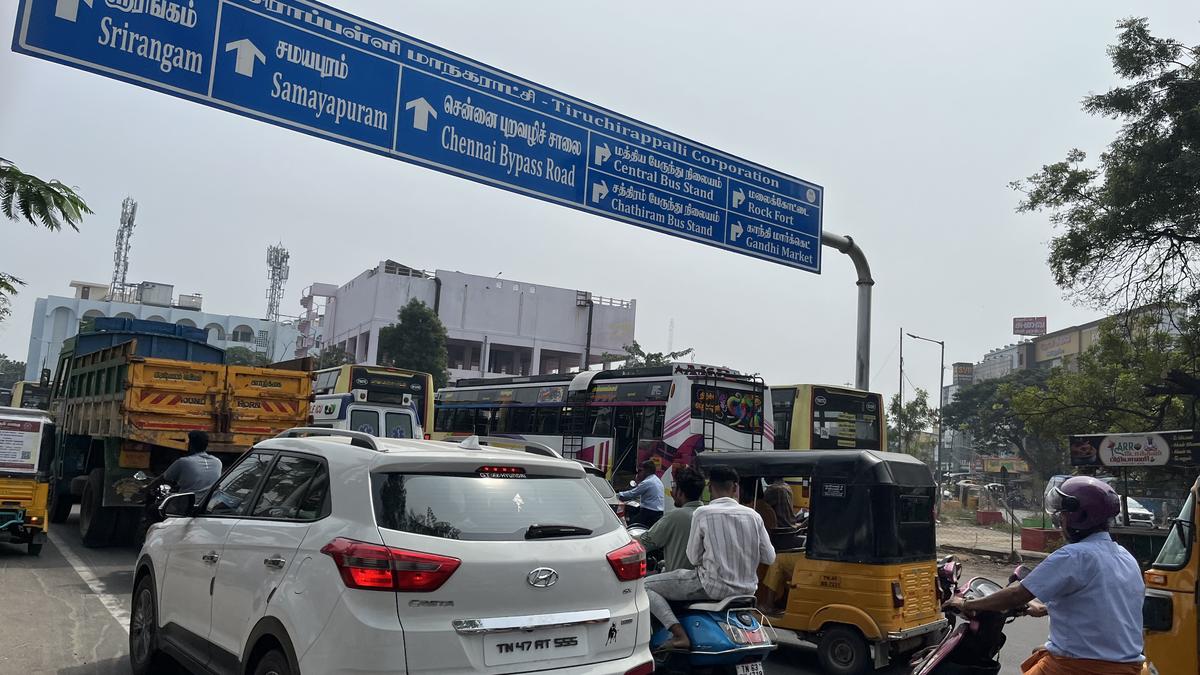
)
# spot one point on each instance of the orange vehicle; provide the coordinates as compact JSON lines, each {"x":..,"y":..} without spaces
{"x":123,"y":413}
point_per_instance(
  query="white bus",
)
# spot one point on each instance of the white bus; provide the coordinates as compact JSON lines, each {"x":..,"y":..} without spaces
{"x":616,"y":419}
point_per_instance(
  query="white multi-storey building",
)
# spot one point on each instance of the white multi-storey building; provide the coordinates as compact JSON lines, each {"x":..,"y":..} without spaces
{"x":495,"y":326}
{"x":56,"y":318}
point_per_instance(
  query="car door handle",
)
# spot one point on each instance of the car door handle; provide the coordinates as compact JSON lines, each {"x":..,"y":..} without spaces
{"x":275,"y":562}
{"x":210,"y":557}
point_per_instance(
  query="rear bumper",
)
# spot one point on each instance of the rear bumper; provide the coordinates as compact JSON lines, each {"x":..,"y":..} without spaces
{"x":917,"y":631}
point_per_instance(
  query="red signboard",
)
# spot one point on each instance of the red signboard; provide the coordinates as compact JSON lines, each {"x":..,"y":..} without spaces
{"x":1029,"y":325}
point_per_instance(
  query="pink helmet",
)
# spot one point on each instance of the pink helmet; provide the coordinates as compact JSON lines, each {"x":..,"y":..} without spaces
{"x":1085,"y":502}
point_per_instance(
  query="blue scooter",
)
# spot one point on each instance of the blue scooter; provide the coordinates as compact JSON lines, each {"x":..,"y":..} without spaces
{"x":728,"y":637}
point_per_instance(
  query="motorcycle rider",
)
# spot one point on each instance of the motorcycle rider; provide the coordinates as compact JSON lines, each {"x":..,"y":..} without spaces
{"x":195,"y":471}
{"x":727,"y":542}
{"x":649,"y":491}
{"x":1092,"y":589}
{"x":671,"y":532}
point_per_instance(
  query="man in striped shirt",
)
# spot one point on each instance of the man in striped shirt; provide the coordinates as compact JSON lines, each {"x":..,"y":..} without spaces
{"x":727,"y":543}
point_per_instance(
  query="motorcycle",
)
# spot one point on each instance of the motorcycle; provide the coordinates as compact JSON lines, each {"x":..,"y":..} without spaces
{"x":973,"y":645}
{"x":150,"y":513}
{"x":727,"y":636}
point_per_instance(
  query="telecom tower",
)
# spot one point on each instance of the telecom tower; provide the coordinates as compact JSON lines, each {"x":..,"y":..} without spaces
{"x":277,"y":275}
{"x":118,"y":289}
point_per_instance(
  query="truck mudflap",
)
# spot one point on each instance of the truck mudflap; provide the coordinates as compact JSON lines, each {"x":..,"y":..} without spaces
{"x":124,"y":485}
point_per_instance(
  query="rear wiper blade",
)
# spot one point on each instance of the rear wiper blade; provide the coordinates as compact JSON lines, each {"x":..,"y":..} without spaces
{"x":551,"y":531}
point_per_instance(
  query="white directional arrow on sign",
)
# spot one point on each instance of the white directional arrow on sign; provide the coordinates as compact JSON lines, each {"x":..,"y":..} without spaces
{"x":602,"y":153}
{"x":735,"y":231}
{"x":421,"y":112}
{"x":599,"y":191}
{"x":738,"y":198}
{"x":247,"y":54}
{"x":69,"y":9}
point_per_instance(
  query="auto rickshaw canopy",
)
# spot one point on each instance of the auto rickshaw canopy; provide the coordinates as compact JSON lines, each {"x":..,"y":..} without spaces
{"x":866,"y":506}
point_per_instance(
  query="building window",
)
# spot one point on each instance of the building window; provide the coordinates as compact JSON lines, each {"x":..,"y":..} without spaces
{"x":242,"y":333}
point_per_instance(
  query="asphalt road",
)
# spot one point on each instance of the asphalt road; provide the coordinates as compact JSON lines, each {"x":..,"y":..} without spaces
{"x":66,"y":612}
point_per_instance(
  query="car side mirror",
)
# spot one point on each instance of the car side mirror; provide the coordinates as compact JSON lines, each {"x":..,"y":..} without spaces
{"x":632,"y":484}
{"x":178,"y":505}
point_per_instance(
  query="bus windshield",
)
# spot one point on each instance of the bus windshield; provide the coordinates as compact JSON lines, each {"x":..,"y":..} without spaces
{"x":845,"y":420}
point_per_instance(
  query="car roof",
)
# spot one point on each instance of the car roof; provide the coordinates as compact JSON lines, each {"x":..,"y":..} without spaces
{"x":8,"y":411}
{"x":402,"y":453}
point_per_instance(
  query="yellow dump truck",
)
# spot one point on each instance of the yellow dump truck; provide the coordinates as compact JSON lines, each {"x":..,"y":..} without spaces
{"x":125,"y":395}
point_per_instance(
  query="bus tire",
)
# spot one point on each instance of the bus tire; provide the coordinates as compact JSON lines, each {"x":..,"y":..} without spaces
{"x":60,"y":504}
{"x":97,"y":523}
{"x":843,"y":651}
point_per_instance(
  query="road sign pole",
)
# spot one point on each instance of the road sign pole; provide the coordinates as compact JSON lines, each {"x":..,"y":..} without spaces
{"x":862,"y":356}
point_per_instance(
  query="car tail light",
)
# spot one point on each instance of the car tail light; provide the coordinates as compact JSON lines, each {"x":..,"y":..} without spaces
{"x":644,"y":669}
{"x":897,"y":595}
{"x":629,"y":561}
{"x":375,"y":567}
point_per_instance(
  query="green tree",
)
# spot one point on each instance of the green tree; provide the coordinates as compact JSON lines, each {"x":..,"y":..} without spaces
{"x":240,"y":356}
{"x":1129,"y":224}
{"x":10,"y":371}
{"x":37,"y":202}
{"x":985,"y":411}
{"x":331,"y":356}
{"x":911,"y":423}
{"x":1111,"y":387}
{"x":635,"y":356}
{"x":417,"y":341}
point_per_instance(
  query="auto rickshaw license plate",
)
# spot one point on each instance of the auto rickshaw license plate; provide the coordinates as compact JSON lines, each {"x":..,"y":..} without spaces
{"x":749,"y":669}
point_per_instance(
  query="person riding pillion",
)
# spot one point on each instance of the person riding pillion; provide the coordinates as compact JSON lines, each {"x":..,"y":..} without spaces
{"x":649,"y":493}
{"x":727,"y":542}
{"x":672,"y":531}
{"x":1091,"y":588}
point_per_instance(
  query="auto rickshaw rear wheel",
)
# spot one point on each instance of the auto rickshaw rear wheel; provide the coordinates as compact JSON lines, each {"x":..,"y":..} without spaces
{"x":34,"y":549}
{"x":842,"y":650}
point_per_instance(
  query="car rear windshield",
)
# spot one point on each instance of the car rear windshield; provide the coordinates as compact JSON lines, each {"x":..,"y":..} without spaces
{"x":474,"y":507}
{"x":602,"y":486}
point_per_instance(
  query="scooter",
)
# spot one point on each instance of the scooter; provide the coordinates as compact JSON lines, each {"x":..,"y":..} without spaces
{"x":971,"y":646}
{"x":727,"y":636}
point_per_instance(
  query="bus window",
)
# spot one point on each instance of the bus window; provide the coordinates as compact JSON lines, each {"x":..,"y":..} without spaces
{"x":462,"y":421}
{"x":483,"y":422}
{"x":366,"y":421}
{"x":547,"y":421}
{"x":398,"y":425}
{"x":600,"y":421}
{"x":783,"y":400}
{"x":521,"y":420}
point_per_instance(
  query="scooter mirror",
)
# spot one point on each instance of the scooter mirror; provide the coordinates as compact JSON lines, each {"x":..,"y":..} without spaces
{"x":632,"y":484}
{"x":1019,"y":573}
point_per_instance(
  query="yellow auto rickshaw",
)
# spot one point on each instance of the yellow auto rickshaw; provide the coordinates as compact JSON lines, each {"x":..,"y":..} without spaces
{"x":1169,"y":612}
{"x":861,"y":581}
{"x":26,"y":447}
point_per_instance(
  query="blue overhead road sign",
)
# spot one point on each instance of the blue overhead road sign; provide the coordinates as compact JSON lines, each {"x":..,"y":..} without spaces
{"x":309,"y":67}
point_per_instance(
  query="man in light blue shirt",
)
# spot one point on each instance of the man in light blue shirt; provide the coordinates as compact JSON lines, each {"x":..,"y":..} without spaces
{"x":649,"y":492}
{"x":1092,"y":589}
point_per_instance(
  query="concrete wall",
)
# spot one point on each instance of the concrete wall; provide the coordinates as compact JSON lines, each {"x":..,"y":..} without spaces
{"x":57,"y":318}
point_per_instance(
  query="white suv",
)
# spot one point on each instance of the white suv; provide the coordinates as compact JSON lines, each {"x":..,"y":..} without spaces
{"x":330,"y":551}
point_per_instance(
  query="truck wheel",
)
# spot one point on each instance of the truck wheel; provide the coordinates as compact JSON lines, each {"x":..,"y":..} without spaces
{"x":128,"y":525}
{"x":843,"y":651}
{"x":97,"y":523}
{"x":34,"y":549}
{"x":60,"y":504}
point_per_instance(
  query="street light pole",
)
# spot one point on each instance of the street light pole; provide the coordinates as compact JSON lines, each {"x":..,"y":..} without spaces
{"x":937,"y":458}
